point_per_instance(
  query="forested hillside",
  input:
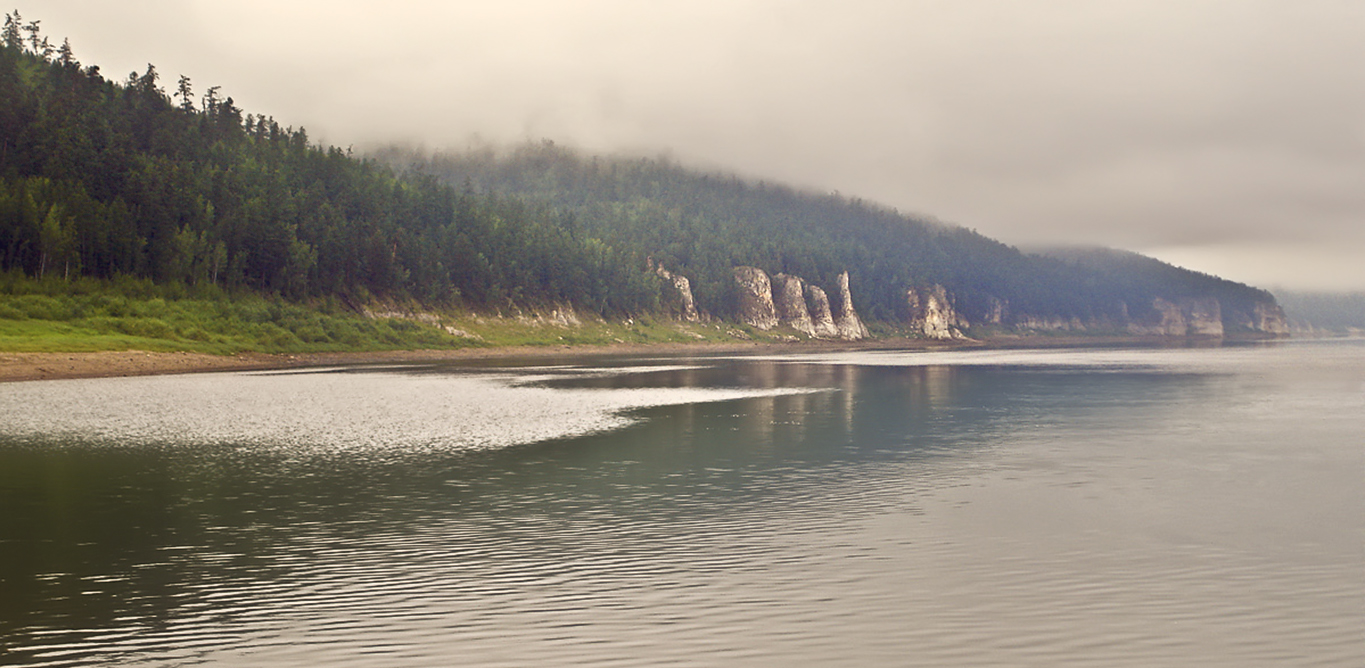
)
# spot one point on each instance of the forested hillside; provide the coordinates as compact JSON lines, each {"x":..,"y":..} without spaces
{"x":126,"y":179}
{"x":99,"y":178}
{"x":703,"y":224}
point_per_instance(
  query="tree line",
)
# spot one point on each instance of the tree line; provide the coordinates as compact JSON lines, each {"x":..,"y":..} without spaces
{"x":702,"y":224}
{"x":110,"y":178}
{"x":102,"y":178}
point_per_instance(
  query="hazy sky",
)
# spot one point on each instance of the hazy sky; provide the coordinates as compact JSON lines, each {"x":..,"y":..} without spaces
{"x":1227,"y":137}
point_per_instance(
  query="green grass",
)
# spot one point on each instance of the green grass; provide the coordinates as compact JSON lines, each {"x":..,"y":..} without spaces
{"x":89,"y":315}
{"x":85,"y":315}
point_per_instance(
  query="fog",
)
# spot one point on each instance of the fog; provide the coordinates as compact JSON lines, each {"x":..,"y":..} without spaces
{"x":1228,"y":137}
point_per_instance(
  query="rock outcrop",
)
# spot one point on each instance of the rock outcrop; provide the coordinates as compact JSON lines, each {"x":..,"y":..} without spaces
{"x":822,"y":319}
{"x":1190,"y":317}
{"x":789,"y":301}
{"x":932,"y":313}
{"x":1203,"y":317}
{"x":755,"y":298}
{"x":1165,"y":320}
{"x":1269,"y":318}
{"x":685,"y":304}
{"x":846,"y":319}
{"x":996,"y":311}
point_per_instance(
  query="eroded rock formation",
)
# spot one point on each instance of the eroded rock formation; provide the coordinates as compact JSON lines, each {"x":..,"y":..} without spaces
{"x":932,"y":313}
{"x":1190,"y":317}
{"x":789,"y":301}
{"x":822,"y":319}
{"x":1203,"y":317}
{"x":1269,"y":318}
{"x":846,"y":319}
{"x":755,"y":298}
{"x":681,"y":294}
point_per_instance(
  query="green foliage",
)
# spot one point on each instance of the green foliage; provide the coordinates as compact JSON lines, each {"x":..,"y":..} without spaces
{"x":188,"y":201}
{"x":90,"y":314}
{"x":704,"y":224}
{"x":108,"y":180}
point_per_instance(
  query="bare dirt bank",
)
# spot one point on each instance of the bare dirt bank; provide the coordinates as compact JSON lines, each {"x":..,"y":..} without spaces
{"x":53,"y":366}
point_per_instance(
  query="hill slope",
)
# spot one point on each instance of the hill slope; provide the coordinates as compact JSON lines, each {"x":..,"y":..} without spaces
{"x":108,"y":180}
{"x":703,"y":224}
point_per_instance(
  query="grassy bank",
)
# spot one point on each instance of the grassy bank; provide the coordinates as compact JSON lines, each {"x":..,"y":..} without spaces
{"x":86,"y":315}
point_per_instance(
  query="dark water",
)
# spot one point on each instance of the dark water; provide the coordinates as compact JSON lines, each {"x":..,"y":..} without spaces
{"x":1083,"y":507}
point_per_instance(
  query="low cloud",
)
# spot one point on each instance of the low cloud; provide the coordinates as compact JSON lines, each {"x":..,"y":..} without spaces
{"x":1144,"y":125}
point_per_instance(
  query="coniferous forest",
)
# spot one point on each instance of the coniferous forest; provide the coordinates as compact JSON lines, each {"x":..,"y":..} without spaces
{"x":101,"y":178}
{"x":158,"y":179}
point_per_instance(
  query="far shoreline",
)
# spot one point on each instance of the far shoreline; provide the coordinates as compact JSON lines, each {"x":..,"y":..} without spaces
{"x":27,"y":366}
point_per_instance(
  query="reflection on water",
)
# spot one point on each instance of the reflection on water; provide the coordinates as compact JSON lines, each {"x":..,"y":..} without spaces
{"x":1107,"y":507}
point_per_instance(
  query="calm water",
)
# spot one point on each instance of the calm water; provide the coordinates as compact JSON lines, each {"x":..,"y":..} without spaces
{"x":1015,"y":508}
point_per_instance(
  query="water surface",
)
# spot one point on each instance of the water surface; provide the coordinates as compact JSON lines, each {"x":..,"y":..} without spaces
{"x":1103,"y":507}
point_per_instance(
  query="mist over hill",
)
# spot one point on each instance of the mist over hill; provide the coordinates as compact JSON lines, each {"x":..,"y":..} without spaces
{"x":113,"y":179}
{"x":703,"y":224}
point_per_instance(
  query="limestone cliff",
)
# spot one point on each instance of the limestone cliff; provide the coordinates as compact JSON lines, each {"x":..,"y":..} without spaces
{"x":846,"y":319}
{"x":755,"y":298}
{"x":1164,"y":319}
{"x":681,"y":295}
{"x":1203,"y":316}
{"x":932,"y":313}
{"x":822,"y":319}
{"x":1191,"y":317}
{"x":996,"y":311}
{"x":1269,"y":318}
{"x":790,"y":304}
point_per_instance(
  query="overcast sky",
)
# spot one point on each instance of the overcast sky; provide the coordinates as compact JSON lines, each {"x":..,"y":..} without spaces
{"x":1228,"y":137}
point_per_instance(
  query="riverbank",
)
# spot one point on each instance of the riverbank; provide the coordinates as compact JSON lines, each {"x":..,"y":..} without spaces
{"x":25,"y":366}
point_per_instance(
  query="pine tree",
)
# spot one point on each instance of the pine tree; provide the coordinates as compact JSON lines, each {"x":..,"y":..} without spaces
{"x":186,"y":94}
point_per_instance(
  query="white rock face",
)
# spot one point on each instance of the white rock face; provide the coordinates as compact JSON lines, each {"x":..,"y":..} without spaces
{"x":1191,"y":317}
{"x":1203,"y":317}
{"x":790,"y":304}
{"x":846,"y":319}
{"x":996,"y":311}
{"x":1268,"y":317}
{"x":683,"y":291}
{"x":822,"y":319}
{"x":932,"y":312}
{"x":1166,"y":321}
{"x":755,"y":298}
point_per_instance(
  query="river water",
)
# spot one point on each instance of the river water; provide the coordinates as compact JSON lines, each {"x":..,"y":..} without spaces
{"x":1076,"y":507}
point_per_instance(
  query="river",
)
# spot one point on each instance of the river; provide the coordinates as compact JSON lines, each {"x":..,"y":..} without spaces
{"x":1078,"y":507}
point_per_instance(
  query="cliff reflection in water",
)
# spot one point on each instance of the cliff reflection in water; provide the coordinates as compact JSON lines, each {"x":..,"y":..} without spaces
{"x":742,"y":508}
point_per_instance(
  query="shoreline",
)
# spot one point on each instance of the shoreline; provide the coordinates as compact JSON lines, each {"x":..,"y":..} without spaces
{"x":22,"y":366}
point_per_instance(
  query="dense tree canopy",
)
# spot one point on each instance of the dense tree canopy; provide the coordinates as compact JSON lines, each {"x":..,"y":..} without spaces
{"x":107,"y":179}
{"x":100,"y":178}
{"x":702,"y":224}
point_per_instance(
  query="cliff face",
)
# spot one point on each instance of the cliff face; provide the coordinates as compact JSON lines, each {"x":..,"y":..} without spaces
{"x":789,"y":301}
{"x":764,"y":307}
{"x":1269,"y":318}
{"x":932,"y":313}
{"x":1203,"y":317}
{"x":822,"y":319}
{"x":1190,"y":317}
{"x":755,"y":298}
{"x":682,"y":293}
{"x":846,"y":319}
